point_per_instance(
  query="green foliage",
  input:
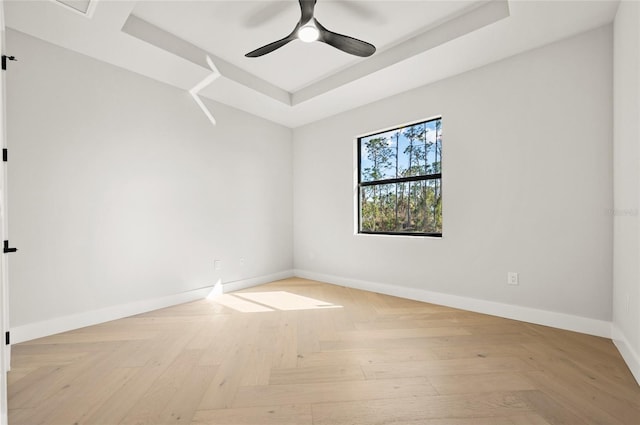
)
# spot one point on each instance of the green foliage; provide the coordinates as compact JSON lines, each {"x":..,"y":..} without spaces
{"x":379,"y":153}
{"x":415,"y":209}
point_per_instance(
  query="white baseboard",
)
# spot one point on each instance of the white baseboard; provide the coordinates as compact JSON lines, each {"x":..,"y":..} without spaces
{"x":80,"y":320}
{"x":630,"y":356}
{"x":542,"y":317}
{"x":76,"y":321}
{"x":525,"y":314}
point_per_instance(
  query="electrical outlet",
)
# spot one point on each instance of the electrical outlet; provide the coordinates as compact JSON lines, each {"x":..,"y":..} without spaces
{"x":512,"y":278}
{"x":217,"y":265}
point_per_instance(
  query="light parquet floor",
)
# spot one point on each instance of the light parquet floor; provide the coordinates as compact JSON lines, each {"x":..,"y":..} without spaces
{"x":339,"y":356}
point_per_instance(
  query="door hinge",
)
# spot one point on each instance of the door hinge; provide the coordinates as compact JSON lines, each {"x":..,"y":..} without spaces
{"x":5,"y":154}
{"x":7,"y":249}
{"x":4,"y":61}
{"x":7,"y":338}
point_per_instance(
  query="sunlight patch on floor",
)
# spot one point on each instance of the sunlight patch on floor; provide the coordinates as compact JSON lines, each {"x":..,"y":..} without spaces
{"x":257,"y":302}
{"x":238,"y":304}
{"x":283,"y":300}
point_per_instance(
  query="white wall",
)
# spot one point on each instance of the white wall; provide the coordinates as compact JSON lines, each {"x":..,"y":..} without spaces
{"x":626,"y":263}
{"x":121,"y":190}
{"x":527,"y":177}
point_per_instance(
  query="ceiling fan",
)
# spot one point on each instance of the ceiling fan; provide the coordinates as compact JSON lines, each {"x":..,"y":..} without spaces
{"x":308,"y":29}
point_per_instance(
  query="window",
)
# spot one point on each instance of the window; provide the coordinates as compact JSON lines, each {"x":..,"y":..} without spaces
{"x":400,"y":180}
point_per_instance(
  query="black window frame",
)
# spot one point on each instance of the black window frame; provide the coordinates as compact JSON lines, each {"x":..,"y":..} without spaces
{"x":362,"y":184}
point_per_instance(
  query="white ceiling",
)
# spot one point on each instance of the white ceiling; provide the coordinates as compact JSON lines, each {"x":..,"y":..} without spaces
{"x":418,"y":42}
{"x":247,"y":25}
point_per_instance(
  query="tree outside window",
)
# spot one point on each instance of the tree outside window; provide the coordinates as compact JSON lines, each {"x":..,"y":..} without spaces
{"x":400,"y":180}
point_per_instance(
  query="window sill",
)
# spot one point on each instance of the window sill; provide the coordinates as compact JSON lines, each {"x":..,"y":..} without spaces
{"x":402,"y":235}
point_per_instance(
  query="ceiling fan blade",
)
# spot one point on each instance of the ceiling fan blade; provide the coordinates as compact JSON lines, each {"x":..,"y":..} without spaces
{"x":342,"y":42}
{"x":306,"y":10}
{"x":345,"y":43}
{"x":306,"y":7}
{"x":271,"y":46}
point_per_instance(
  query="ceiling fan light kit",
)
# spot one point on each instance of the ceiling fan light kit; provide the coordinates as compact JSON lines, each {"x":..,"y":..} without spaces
{"x":309,"y":29}
{"x":308,"y":33}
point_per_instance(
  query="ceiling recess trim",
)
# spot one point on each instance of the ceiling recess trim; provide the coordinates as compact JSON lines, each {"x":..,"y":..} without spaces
{"x":81,"y":7}
{"x":471,"y":19}
{"x":164,"y":40}
{"x":478,"y":15}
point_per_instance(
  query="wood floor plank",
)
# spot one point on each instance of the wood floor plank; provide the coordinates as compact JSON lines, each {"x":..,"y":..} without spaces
{"x":355,"y":358}
{"x":430,"y":368}
{"x":305,"y":393}
{"x":116,"y":406}
{"x":409,"y":322}
{"x":137,"y":392}
{"x":610,"y":373}
{"x":83,"y":404}
{"x":530,"y":419}
{"x":211,"y":328}
{"x":67,"y":384}
{"x":526,"y":419}
{"x":286,"y":341}
{"x":428,"y":342}
{"x":260,"y":360}
{"x":27,"y":383}
{"x":494,"y":405}
{"x":301,"y":375}
{"x":392,"y":334}
{"x":274,"y":415}
{"x":50,"y":386}
{"x":572,"y":391}
{"x":97,"y":336}
{"x":183,"y":405}
{"x":150,"y":407}
{"x":309,"y":331}
{"x":466,"y":351}
{"x":369,"y":359}
{"x":18,"y":373}
{"x":480,"y":383}
{"x":47,"y":359}
{"x":554,"y":412}
{"x":223,"y":387}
